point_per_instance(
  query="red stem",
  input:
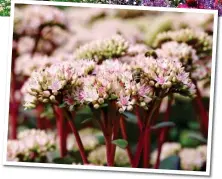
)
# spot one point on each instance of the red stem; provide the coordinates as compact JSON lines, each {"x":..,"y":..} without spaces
{"x":139,"y":149}
{"x":78,"y":141}
{"x":108,"y":136}
{"x":147,"y":138}
{"x":14,"y":105}
{"x":62,"y":131}
{"x":202,"y":112}
{"x":140,"y":123}
{"x":39,"y":120}
{"x":151,"y":114}
{"x":124,"y":135}
{"x":163,"y":132}
{"x":108,"y":150}
{"x":13,"y":120}
{"x":146,"y":151}
{"x":115,"y":136}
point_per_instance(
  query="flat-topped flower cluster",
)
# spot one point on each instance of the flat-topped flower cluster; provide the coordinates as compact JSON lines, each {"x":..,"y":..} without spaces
{"x":31,"y":145}
{"x":84,"y":82}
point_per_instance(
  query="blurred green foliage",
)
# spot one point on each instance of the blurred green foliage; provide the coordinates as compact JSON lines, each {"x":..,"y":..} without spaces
{"x":5,"y":7}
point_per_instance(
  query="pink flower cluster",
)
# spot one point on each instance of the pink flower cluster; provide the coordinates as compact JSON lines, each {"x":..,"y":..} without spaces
{"x":31,"y":145}
{"x":60,"y":80}
{"x":82,"y":82}
{"x":30,"y":18}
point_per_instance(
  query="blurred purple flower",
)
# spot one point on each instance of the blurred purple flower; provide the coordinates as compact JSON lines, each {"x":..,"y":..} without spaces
{"x":158,"y":3}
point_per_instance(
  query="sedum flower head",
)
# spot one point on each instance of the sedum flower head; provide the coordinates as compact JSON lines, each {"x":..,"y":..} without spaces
{"x":32,"y":145}
{"x":99,"y":50}
{"x":88,"y":137}
{"x":40,"y":15}
{"x":198,"y":67}
{"x":185,"y":53}
{"x":203,"y":150}
{"x":199,"y":40}
{"x":164,"y":76}
{"x":191,"y":159}
{"x":98,"y":156}
{"x":168,"y":149}
{"x":58,"y":84}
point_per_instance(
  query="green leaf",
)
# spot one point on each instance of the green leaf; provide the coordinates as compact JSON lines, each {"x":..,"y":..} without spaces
{"x":64,"y":160}
{"x":103,"y":105}
{"x":198,"y":137}
{"x":187,"y":141}
{"x":163,"y":125}
{"x":120,"y":143}
{"x":86,"y":120}
{"x":62,"y":105}
{"x":100,"y":138}
{"x":130,"y":117}
{"x":170,"y":163}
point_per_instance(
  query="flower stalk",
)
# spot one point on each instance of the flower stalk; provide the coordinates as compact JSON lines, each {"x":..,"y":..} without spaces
{"x":202,"y":112}
{"x":124,"y":135}
{"x":163,"y":132}
{"x":69,"y":117}
{"x":62,"y":131}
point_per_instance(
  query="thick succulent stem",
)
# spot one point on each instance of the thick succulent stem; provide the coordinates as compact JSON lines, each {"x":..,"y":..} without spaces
{"x":163,"y":133}
{"x":62,"y":131}
{"x":152,"y":113}
{"x":202,"y":112}
{"x":124,"y":135}
{"x":114,"y":137}
{"x":77,"y":137}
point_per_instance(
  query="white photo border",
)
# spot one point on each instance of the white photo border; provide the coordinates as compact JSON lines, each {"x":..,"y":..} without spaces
{"x":106,"y":168}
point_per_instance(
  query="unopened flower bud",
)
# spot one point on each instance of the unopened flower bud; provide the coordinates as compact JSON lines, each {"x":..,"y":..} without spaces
{"x":133,"y":101}
{"x":101,"y":100}
{"x":55,"y":93}
{"x":46,"y":93}
{"x":121,"y":110}
{"x":169,"y":84}
{"x":33,"y":93}
{"x":133,"y":92}
{"x":52,"y":98}
{"x":45,"y":100}
{"x":157,"y":85}
{"x":174,"y":79}
{"x":151,"y":83}
{"x":142,"y":104}
{"x":105,"y":96}
{"x":130,"y":108}
{"x":96,"y":106}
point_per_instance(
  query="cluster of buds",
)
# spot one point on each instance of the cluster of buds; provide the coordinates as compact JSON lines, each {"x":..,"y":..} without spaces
{"x":88,"y":137}
{"x":168,"y":149}
{"x":199,"y":40}
{"x":99,"y":50}
{"x":193,"y":159}
{"x":32,"y":145}
{"x":57,"y":84}
{"x":98,"y":156}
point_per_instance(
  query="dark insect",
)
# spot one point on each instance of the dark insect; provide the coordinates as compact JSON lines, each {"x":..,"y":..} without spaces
{"x":137,"y":75}
{"x":151,"y":53}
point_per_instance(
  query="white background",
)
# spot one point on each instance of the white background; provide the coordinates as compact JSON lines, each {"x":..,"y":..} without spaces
{"x":25,"y":172}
